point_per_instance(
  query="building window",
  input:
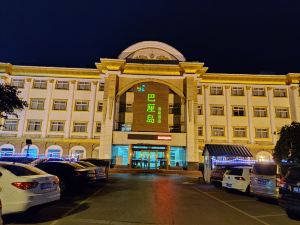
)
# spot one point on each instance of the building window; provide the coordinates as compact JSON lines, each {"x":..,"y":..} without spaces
{"x":199,"y":110}
{"x":258,"y":92}
{"x":260,"y":111}
{"x":59,"y":104}
{"x":62,"y":84}
{"x":262,"y":132}
{"x":34,"y":125}
{"x":125,"y":107}
{"x":217,"y":110}
{"x":128,"y":107}
{"x":86,"y":86}
{"x":282,"y":112}
{"x":101,"y":87}
{"x":199,"y":90}
{"x":57,"y":126}
{"x":80,"y":127}
{"x":216,"y":90}
{"x":237,"y":91}
{"x":40,"y":84}
{"x":37,"y":104}
{"x":239,"y":132}
{"x":174,"y":128}
{"x":279,"y":92}
{"x":100,"y":107}
{"x":10,"y":125}
{"x":18,"y":83}
{"x":126,"y":127}
{"x":217,"y":131}
{"x":98,"y":127}
{"x":81,"y":106}
{"x":200,"y":131}
{"x":238,"y":111}
{"x":175,"y":109}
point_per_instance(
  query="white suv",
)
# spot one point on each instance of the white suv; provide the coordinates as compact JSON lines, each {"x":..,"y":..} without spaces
{"x":237,"y":178}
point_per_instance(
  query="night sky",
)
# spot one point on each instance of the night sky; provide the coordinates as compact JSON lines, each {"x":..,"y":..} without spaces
{"x":228,"y":36}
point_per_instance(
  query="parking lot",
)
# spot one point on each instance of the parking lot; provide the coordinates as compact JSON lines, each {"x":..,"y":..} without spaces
{"x":155,"y":199}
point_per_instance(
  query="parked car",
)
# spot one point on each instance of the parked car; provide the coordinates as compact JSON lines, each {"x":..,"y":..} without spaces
{"x":289,"y":192}
{"x":217,"y":175}
{"x":24,"y":186}
{"x":99,"y":171}
{"x":72,"y":176}
{"x":103,"y":164}
{"x":237,"y":178}
{"x":264,"y":180}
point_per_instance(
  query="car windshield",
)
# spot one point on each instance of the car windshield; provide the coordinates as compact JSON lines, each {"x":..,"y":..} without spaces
{"x":264,"y":169}
{"x":293,"y":174}
{"x":235,"y":171}
{"x":23,"y":170}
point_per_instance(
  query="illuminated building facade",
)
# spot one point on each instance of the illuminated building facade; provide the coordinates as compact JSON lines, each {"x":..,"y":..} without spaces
{"x":148,"y":108}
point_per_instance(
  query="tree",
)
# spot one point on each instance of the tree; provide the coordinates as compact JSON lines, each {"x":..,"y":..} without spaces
{"x":288,"y":145}
{"x":10,"y":101}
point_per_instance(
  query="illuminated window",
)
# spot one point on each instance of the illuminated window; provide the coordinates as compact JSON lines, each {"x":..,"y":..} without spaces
{"x":101,"y":87}
{"x":258,"y":92}
{"x":217,"y":131}
{"x":99,"y":106}
{"x":59,"y":104}
{"x":82,"y":85}
{"x":62,"y":84}
{"x":238,"y":111}
{"x":261,"y":132}
{"x":10,"y":125}
{"x":199,"y":90}
{"x":216,"y":90}
{"x":239,"y":132}
{"x":34,"y":125}
{"x":19,"y":83}
{"x":40,"y":84}
{"x":200,"y":131}
{"x":260,"y":111}
{"x":217,"y":110}
{"x":81,"y":105}
{"x":37,"y":104}
{"x":177,"y":156}
{"x":80,"y":127}
{"x":279,"y":92}
{"x":199,"y":110}
{"x":98,"y":127}
{"x":237,"y":91}
{"x":57,"y":126}
{"x":282,"y":112}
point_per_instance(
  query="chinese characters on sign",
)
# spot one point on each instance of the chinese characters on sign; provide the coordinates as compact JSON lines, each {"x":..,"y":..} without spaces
{"x":150,"y":108}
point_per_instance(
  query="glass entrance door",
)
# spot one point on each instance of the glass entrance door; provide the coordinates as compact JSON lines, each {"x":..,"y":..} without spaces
{"x":149,"y":159}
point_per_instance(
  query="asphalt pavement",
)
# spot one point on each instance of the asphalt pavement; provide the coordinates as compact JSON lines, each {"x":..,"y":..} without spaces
{"x":134,"y":199}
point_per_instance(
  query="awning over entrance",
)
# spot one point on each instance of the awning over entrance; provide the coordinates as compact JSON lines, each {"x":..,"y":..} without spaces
{"x":227,"y":150}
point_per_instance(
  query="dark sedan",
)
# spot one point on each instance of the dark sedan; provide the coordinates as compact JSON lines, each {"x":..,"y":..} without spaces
{"x":103,"y":164}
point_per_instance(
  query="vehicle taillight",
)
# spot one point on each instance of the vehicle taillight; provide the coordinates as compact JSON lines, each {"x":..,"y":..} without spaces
{"x":281,"y":183}
{"x":56,"y":180}
{"x":239,"y":178}
{"x":25,"y":185}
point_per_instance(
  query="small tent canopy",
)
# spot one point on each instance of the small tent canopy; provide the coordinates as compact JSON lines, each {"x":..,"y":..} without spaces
{"x":227,"y":150}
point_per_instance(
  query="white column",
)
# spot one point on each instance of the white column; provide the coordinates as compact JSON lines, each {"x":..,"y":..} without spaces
{"x":206,"y":113}
{"x":294,"y":103}
{"x":228,"y":114}
{"x":250,"y":114}
{"x":47,"y":106}
{"x":92,"y":110}
{"x":68,"y":124}
{"x":22,"y":114}
{"x":271,"y":113}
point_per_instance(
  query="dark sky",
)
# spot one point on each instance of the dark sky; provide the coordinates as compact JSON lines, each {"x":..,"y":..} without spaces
{"x":228,"y":36}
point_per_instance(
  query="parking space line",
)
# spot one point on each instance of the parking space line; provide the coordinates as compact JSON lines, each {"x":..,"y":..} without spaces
{"x":76,"y":207}
{"x":271,"y":215}
{"x":230,"y":206}
{"x":241,"y":200}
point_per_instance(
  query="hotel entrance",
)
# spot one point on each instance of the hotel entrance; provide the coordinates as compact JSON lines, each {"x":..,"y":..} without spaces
{"x":149,"y":157}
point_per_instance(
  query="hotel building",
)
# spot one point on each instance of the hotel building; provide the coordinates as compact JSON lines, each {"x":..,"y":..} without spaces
{"x":149,"y":105}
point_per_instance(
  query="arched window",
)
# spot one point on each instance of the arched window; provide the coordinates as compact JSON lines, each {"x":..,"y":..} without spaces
{"x":7,"y":150}
{"x":54,"y":151}
{"x":264,"y":156}
{"x":78,"y":152}
{"x":31,"y":152}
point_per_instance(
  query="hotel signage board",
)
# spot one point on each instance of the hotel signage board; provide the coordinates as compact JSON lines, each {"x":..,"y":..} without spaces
{"x":150,"y":107}
{"x":149,"y":137}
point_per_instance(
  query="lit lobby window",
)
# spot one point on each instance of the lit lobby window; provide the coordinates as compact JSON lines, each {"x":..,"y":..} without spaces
{"x":260,"y":111}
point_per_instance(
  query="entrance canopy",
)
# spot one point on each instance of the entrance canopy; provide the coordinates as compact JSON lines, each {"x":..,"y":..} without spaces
{"x":227,"y":150}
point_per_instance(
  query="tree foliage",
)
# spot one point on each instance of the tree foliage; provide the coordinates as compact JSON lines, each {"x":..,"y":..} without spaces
{"x":10,"y":102}
{"x":288,"y":145}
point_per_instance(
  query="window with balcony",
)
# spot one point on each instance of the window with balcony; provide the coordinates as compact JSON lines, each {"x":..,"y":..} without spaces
{"x":84,"y":86}
{"x":57,"y":126}
{"x":59,"y":104}
{"x":282,"y":112}
{"x":258,"y":92}
{"x":216,"y":90}
{"x":200,"y":131}
{"x":217,"y":110}
{"x":238,"y":111}
{"x":62,"y":85}
{"x":37,"y":104}
{"x":239,"y":132}
{"x":10,"y":125}
{"x":80,"y":127}
{"x":260,"y":111}
{"x":261,"y":132}
{"x":98,"y":127}
{"x":217,"y":131}
{"x":81,"y":106}
{"x":18,"y":83}
{"x":237,"y":91}
{"x":34,"y":125}
{"x":40,"y":84}
{"x":279,"y":92}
